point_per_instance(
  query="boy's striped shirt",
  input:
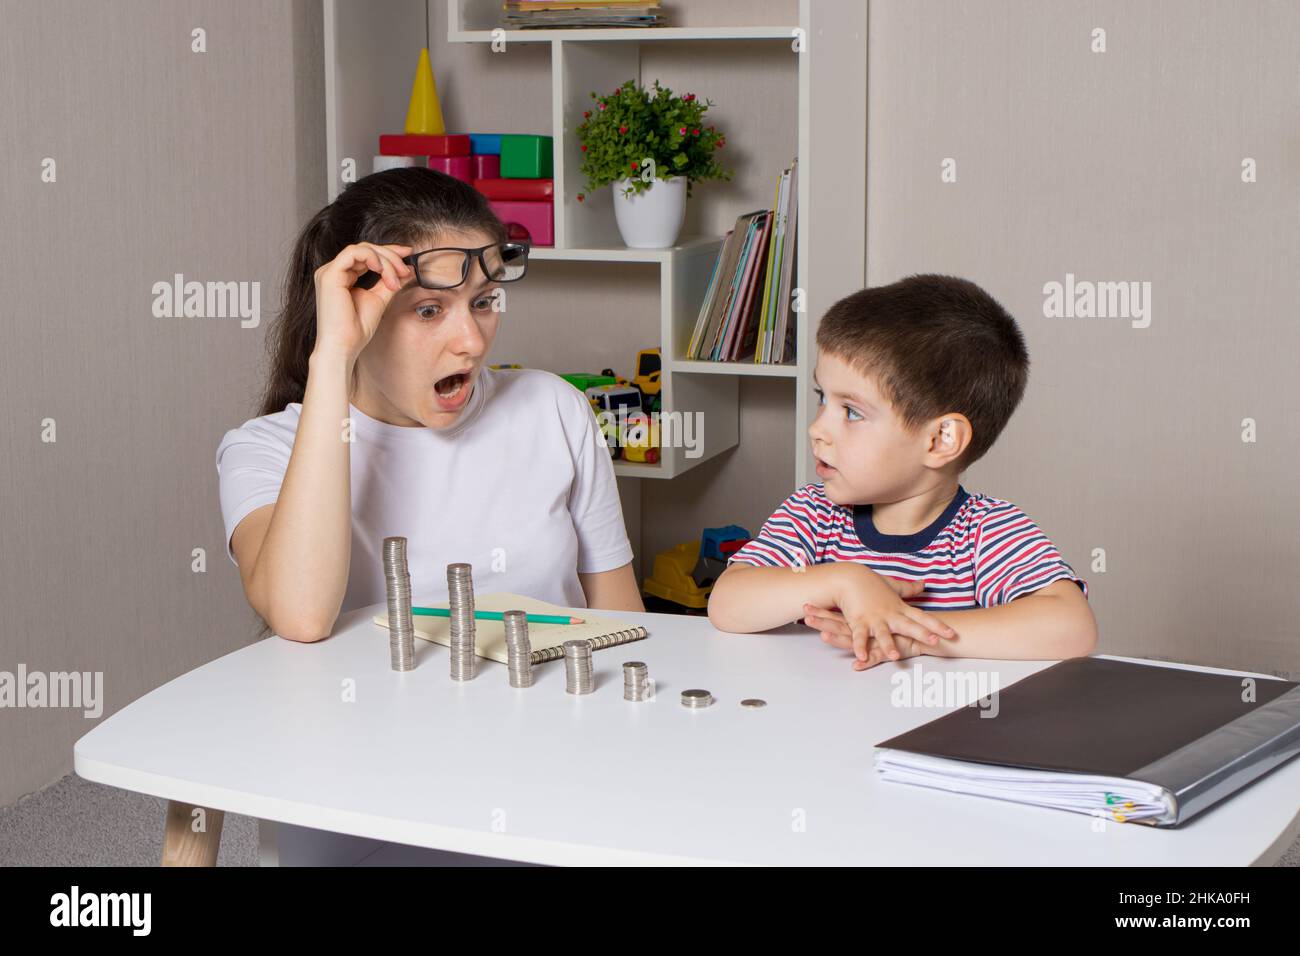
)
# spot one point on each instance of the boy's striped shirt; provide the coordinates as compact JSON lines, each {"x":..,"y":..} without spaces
{"x":980,"y":552}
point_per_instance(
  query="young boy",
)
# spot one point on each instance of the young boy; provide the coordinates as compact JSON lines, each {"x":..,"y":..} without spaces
{"x":888,"y":554}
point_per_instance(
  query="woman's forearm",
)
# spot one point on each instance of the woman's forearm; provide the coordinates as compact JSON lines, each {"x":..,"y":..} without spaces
{"x":301,"y":572}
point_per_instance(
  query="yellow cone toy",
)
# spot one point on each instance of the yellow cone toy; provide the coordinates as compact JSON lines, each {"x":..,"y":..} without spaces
{"x":424,"y":115}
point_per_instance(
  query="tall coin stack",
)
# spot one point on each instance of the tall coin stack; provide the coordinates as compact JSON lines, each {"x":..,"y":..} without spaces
{"x":519,"y":649}
{"x":460,"y":599}
{"x":401,"y":629}
{"x":635,"y":686}
{"x":577,"y":667}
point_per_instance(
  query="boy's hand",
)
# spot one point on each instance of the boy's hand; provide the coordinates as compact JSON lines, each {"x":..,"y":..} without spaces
{"x":907,"y":646}
{"x":871,"y":606}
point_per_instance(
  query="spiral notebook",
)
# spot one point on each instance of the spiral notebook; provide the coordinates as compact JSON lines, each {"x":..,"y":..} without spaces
{"x":1133,"y":742}
{"x":490,"y":636}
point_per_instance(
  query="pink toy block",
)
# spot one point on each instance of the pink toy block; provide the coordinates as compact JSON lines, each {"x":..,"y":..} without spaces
{"x":537,"y":217}
{"x":486,"y":167}
{"x":458,"y":166}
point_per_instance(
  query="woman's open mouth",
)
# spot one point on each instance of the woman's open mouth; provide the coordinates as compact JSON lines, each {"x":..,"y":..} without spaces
{"x":452,"y":390}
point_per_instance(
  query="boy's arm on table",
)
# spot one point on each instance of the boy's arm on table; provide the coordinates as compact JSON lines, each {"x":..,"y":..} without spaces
{"x":1052,"y":623}
{"x":747,"y":598}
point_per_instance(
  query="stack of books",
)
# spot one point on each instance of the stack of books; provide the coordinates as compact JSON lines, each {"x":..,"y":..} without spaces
{"x":575,"y":14}
{"x":746,"y":315}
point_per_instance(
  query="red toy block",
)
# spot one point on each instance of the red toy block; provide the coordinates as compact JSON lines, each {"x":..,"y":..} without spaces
{"x":529,"y":190}
{"x":418,"y":144}
{"x":458,"y":166}
{"x":537,"y":217}
{"x":486,"y":166}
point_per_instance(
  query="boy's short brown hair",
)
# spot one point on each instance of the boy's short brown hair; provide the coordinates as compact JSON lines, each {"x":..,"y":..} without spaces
{"x":934,"y":344}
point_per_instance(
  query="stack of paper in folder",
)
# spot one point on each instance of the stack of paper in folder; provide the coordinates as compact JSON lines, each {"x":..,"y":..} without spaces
{"x":746,"y":315}
{"x":538,"y":14}
{"x":1129,"y":741}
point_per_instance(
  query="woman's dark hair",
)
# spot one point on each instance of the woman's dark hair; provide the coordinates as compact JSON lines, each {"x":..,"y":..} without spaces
{"x":403,"y":206}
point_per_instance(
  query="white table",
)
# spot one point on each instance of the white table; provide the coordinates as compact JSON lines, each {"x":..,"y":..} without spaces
{"x":541,"y":776}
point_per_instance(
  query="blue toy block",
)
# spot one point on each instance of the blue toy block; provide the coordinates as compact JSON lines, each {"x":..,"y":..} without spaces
{"x":485,"y":144}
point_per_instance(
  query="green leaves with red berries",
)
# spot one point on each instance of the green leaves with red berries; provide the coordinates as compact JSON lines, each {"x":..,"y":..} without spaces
{"x":625,"y":128}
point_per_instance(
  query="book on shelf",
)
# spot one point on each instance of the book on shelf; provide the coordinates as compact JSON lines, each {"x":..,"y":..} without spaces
{"x":745,"y":315}
{"x":579,"y":14}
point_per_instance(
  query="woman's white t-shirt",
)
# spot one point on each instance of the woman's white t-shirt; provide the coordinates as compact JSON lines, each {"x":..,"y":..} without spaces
{"x":521,"y":487}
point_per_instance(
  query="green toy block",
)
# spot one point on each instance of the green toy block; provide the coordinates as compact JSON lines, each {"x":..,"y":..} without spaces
{"x":525,"y":156}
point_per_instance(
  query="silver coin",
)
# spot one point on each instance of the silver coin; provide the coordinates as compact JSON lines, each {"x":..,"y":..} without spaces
{"x":753,"y":703}
{"x":696,"y":698}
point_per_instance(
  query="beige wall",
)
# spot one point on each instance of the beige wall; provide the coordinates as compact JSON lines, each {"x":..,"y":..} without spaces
{"x":167,"y":161}
{"x":1123,"y":165}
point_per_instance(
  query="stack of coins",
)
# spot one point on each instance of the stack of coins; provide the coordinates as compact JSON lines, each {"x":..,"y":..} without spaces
{"x":460,"y":600}
{"x":634,"y":681}
{"x":519,"y":649}
{"x":577,"y":667}
{"x":696,"y":699}
{"x":401,"y":629}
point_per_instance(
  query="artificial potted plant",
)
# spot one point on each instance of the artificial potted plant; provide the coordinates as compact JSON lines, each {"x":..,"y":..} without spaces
{"x":649,"y":146}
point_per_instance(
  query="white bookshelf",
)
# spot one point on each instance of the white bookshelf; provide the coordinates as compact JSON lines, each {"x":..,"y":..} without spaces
{"x":371,"y":72}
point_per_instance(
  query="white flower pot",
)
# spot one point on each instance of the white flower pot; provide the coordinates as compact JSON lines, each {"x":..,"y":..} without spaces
{"x":652,"y":219}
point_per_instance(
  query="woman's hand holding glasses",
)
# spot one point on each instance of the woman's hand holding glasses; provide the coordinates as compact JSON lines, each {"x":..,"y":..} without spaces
{"x":347,"y":314}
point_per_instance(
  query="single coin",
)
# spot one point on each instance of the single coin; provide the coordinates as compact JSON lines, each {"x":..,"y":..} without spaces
{"x":753,"y":703}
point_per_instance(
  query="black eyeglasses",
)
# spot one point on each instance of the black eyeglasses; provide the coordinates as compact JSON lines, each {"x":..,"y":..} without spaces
{"x":448,"y":266}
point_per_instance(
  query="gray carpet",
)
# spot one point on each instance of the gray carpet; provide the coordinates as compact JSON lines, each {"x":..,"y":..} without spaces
{"x":77,"y":823}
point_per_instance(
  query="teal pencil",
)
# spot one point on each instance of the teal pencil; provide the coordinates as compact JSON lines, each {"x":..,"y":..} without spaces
{"x":497,"y":616}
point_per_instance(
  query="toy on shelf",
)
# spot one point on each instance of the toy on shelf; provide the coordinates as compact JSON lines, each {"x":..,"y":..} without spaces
{"x":613,"y":404}
{"x":423,"y":144}
{"x":524,"y":190}
{"x":716,"y":545}
{"x":615,"y":398}
{"x":424,"y":126}
{"x":526,"y":156}
{"x":640,"y":439}
{"x":501,"y":365}
{"x":674,"y":578}
{"x":514,"y":170}
{"x":446,"y":153}
{"x":585,"y":380}
{"x":649,"y":363}
{"x":485,"y":167}
{"x":424,"y":113}
{"x":537,"y":218}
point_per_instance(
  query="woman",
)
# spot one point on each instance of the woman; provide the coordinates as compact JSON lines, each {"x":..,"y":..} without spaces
{"x":382,"y":418}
